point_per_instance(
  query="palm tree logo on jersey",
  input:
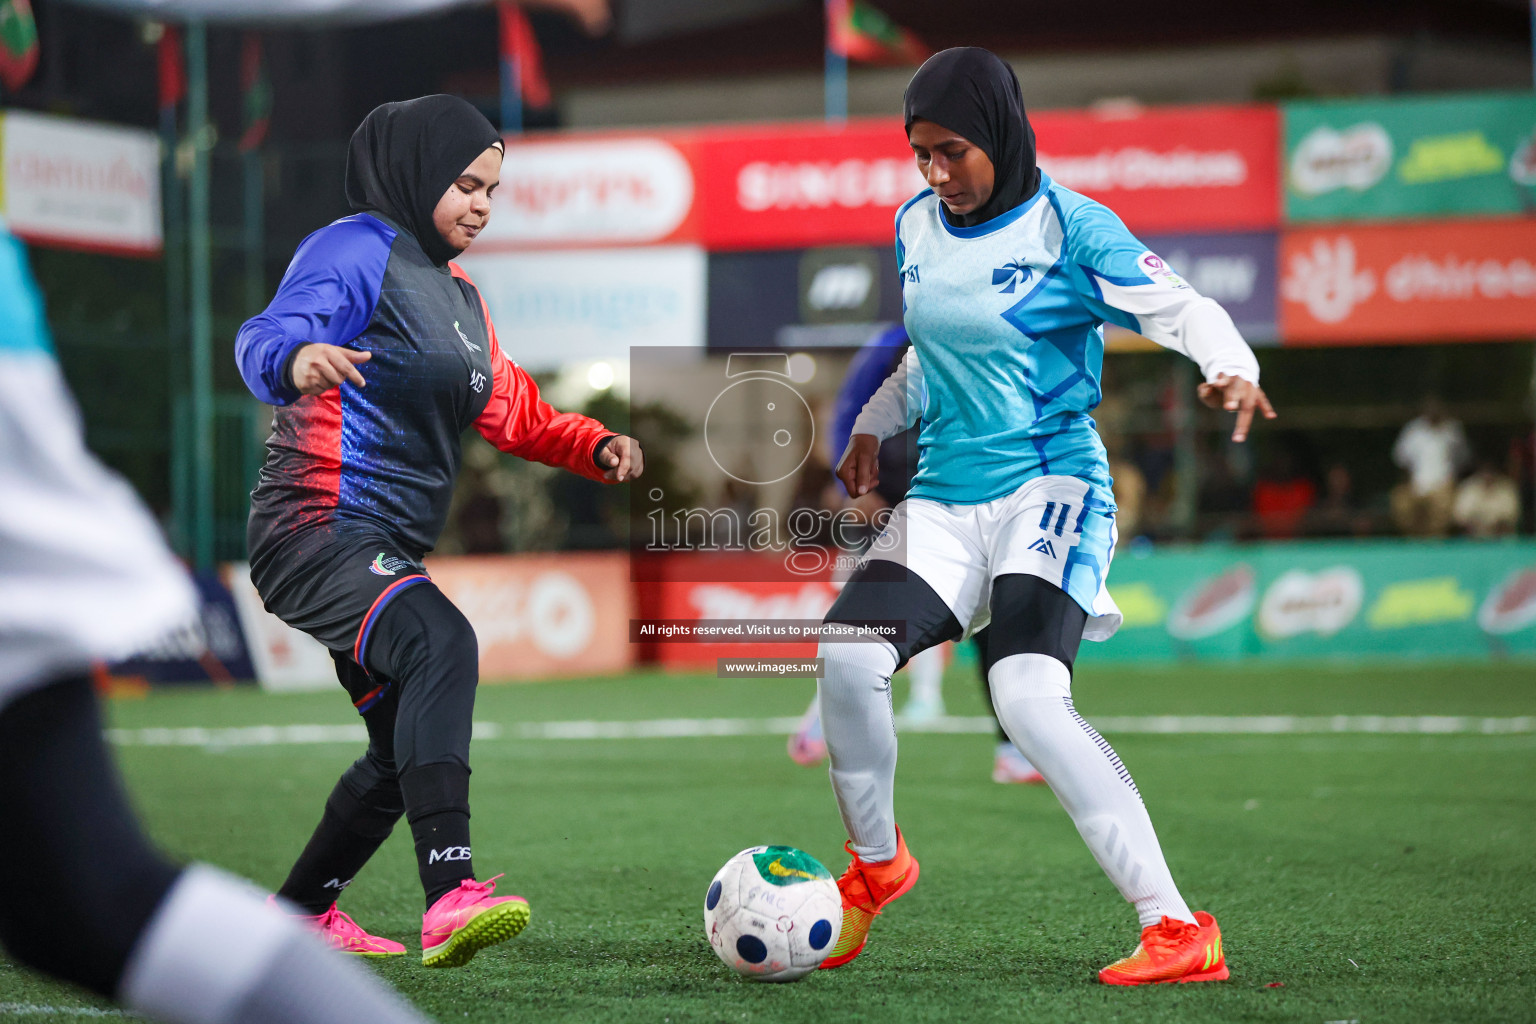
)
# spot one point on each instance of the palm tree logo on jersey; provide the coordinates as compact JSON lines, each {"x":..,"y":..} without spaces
{"x":1010,"y":276}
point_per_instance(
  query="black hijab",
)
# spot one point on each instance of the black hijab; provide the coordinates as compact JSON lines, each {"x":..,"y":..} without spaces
{"x":975,"y":94}
{"x":404,"y":156}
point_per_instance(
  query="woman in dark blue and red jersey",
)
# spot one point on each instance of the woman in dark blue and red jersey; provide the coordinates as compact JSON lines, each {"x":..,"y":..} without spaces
{"x":379,"y":353}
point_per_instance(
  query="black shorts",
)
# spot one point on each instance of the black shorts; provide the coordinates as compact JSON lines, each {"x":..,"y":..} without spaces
{"x":335,"y":586}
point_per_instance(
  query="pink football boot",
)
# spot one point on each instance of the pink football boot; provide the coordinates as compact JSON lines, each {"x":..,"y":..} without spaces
{"x":339,"y":931}
{"x":468,"y":919}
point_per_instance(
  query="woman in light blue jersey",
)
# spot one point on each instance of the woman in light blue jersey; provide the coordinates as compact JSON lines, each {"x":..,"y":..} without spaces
{"x":1007,"y":280}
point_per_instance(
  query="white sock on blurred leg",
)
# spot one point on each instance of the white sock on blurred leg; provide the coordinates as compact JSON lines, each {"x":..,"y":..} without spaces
{"x":215,"y":953}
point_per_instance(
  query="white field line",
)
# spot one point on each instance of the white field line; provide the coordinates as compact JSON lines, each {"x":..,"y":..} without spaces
{"x":259,"y":736}
{"x":35,"y":1009}
{"x":679,"y":728}
{"x":656,"y":728}
{"x":1230,"y":725}
{"x":1415,"y":724}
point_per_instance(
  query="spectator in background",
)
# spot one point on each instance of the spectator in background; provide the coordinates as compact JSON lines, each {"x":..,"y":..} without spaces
{"x":1223,"y":500}
{"x":1130,"y":489}
{"x":1522,"y":469}
{"x":1338,"y":513}
{"x":1432,"y":448}
{"x":475,"y":520}
{"x":1128,"y":482}
{"x":1282,"y":498}
{"x":1487,"y":503}
{"x":814,"y":492}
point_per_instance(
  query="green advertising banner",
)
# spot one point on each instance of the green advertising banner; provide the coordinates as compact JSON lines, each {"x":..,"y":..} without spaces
{"x":1359,"y":601}
{"x":1410,"y":158}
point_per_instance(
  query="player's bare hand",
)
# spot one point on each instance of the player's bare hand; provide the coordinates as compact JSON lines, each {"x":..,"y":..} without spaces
{"x":859,"y":469}
{"x":624,"y":459}
{"x":320,"y":367}
{"x":1235,"y":394}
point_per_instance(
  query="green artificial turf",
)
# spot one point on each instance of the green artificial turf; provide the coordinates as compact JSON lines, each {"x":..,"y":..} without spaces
{"x":1369,"y":878}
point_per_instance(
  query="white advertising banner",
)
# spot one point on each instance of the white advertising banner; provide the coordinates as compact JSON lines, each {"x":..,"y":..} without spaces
{"x":81,"y":184}
{"x":609,"y":192}
{"x":556,"y":308}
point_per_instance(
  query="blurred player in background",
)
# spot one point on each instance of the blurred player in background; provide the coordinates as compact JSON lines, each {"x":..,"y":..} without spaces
{"x":1432,"y":450}
{"x":83,"y":896}
{"x":1007,"y":278}
{"x":379,"y":353}
{"x":871,"y":365}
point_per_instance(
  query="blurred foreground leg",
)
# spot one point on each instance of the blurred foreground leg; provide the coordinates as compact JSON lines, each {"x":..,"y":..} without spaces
{"x":85,"y":898}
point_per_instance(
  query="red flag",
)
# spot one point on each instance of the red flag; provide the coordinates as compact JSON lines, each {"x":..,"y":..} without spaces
{"x":860,"y":32}
{"x":257,"y":92}
{"x":521,"y":47}
{"x":173,"y":73}
{"x":594,"y":15}
{"x":18,"y":43}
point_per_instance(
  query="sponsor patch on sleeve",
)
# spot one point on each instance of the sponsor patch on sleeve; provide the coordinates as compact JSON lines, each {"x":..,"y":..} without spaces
{"x":1153,"y":266}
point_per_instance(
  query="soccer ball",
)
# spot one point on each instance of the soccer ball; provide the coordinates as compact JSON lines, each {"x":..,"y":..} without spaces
{"x":773,"y":913}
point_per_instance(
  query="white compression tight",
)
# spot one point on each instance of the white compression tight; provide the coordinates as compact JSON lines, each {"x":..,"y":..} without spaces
{"x":1033,"y":697}
{"x":860,"y":730}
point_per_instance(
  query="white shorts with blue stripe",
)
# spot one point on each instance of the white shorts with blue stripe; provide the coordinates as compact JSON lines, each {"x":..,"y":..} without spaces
{"x":1044,"y":529}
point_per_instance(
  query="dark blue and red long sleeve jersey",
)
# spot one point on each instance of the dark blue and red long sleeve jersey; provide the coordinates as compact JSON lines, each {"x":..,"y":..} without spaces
{"x":384,"y":457}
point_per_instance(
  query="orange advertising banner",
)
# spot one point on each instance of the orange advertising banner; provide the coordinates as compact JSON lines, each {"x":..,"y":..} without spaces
{"x":542,"y":616}
{"x":1401,"y":283}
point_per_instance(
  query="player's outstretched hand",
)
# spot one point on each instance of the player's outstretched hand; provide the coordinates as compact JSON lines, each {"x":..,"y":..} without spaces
{"x":624,"y":459}
{"x":319,"y":367}
{"x":859,"y":469}
{"x":1235,"y":394}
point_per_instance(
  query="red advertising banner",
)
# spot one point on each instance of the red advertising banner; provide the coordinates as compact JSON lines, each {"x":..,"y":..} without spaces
{"x":800,"y":185}
{"x":695,"y":587}
{"x":538,"y":616}
{"x":793,"y":186}
{"x":1180,"y":169}
{"x":1439,"y":281}
{"x":1170,"y":169}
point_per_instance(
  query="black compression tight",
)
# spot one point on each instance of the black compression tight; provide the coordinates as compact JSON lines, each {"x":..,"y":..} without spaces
{"x":78,"y":880}
{"x":426,"y":646}
{"x":424,"y":652}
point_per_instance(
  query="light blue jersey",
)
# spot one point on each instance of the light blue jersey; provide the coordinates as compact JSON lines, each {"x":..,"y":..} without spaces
{"x":1006,"y":322}
{"x":23,"y":331}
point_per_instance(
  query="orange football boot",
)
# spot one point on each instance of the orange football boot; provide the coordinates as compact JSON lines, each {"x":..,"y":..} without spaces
{"x":866,"y":888}
{"x":1172,"y":951}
